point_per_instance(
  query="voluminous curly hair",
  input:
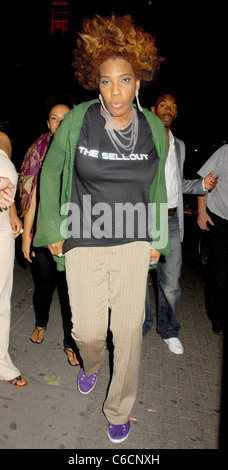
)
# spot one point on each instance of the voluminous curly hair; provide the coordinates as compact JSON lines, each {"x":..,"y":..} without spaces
{"x":114,"y":36}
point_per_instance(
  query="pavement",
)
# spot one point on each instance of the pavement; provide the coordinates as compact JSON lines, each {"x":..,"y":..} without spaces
{"x":178,"y":406}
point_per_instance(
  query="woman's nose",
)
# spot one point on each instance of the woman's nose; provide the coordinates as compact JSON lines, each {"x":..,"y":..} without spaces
{"x":115,"y":89}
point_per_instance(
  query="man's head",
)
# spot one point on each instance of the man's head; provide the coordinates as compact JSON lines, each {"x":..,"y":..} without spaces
{"x":166,"y":109}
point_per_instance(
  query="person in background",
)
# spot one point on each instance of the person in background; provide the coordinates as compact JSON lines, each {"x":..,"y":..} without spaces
{"x":168,"y":272}
{"x":45,"y":275}
{"x":107,"y":154}
{"x":213,"y":217}
{"x":10,"y":228}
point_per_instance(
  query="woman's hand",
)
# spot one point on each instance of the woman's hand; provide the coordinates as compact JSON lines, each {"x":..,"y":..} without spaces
{"x":6,"y":195}
{"x":26,"y":244}
{"x":57,"y":248}
{"x":154,"y":256}
{"x":16,"y":227}
{"x":15,"y":222}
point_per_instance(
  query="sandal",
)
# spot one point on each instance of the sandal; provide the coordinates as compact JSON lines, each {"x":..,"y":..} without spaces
{"x":16,"y":380}
{"x":72,"y":362}
{"x":38,"y":333}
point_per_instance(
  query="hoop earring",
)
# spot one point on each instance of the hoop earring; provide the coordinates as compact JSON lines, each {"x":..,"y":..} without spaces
{"x":102,"y":102}
{"x":137,"y":101}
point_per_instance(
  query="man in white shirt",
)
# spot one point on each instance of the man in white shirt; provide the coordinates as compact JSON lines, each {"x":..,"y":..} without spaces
{"x":168,"y":273}
{"x":213,"y":217}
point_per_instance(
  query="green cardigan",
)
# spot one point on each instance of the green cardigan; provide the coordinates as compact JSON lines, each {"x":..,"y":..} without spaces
{"x":56,"y":179}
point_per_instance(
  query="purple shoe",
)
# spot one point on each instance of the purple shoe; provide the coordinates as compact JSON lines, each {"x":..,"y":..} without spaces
{"x":86,"y":384}
{"x":118,"y":432}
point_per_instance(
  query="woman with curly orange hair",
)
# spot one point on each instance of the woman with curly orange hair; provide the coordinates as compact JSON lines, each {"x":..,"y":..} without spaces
{"x":105,"y":168}
{"x":103,"y":38}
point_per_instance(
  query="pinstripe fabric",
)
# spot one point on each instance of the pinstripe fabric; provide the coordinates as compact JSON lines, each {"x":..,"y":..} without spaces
{"x":113,"y":277}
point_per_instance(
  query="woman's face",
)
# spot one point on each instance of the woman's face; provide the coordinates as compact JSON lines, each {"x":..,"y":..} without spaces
{"x":118,"y":84}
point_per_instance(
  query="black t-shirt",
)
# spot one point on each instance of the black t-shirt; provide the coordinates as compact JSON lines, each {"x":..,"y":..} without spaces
{"x":110,"y":190}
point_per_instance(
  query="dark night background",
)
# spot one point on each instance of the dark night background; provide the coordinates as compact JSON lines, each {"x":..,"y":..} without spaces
{"x":189,"y":35}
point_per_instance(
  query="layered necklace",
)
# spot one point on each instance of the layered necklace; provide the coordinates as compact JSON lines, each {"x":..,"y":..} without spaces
{"x":128,"y":134}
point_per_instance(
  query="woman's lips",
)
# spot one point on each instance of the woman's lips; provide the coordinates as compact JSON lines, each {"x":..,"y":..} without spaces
{"x":116,"y":105}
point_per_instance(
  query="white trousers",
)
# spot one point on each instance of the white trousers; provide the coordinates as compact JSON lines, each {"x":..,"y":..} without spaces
{"x":7,"y":248}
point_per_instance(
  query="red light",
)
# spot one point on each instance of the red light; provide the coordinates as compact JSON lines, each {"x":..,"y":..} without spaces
{"x":59,"y":16}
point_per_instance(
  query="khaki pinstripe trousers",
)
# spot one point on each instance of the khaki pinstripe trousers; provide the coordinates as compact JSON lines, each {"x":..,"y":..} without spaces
{"x":112,"y":277}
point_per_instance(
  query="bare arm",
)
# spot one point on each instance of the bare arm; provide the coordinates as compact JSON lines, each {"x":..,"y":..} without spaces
{"x":5,"y":144}
{"x":203,"y":216}
{"x":6,"y":196}
{"x":28,"y":224}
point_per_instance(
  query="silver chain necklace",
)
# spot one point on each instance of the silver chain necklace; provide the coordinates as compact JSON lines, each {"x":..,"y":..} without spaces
{"x":131,"y":130}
